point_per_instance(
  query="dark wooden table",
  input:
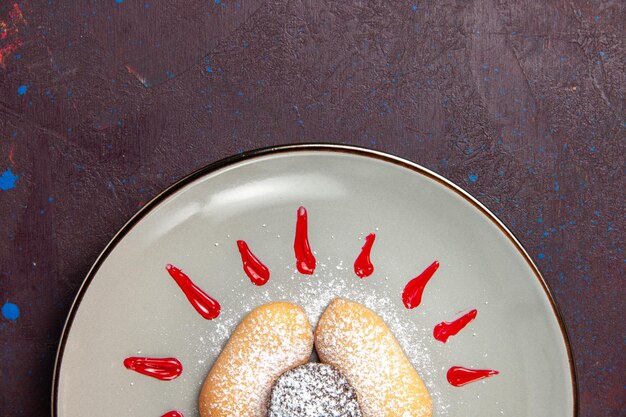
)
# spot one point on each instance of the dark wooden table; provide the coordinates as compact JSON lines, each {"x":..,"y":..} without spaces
{"x":105,"y":103}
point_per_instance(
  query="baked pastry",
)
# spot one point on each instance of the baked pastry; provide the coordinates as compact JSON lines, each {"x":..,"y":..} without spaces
{"x":313,"y":390}
{"x":270,"y":340}
{"x":355,"y":340}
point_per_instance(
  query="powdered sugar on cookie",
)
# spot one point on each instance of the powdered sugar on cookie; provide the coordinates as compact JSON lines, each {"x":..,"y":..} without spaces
{"x":358,"y":342}
{"x":272,"y":339}
{"x":313,"y":390}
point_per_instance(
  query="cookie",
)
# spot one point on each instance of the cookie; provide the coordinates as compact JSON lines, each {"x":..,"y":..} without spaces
{"x":270,"y":340}
{"x":313,"y":390}
{"x":355,"y":340}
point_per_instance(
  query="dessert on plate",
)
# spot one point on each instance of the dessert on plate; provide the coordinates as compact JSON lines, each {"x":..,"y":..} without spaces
{"x":263,"y":370}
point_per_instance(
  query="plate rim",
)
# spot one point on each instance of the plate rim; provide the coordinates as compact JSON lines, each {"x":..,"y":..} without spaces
{"x":295,"y":148}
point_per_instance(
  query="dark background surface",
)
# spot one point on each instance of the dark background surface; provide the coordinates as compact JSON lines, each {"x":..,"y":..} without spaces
{"x":105,"y":103}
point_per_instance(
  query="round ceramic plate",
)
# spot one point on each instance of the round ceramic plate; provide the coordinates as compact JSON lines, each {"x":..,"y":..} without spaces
{"x":130,"y":306}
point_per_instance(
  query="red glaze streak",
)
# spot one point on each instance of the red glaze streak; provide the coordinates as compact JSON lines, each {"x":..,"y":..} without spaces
{"x":164,"y":369}
{"x":412,"y":294}
{"x":459,"y":376}
{"x":305,"y":261}
{"x":173,"y":414}
{"x":205,"y":305}
{"x":9,"y":30}
{"x":254,"y":269}
{"x":363,"y":265}
{"x":444,"y":329}
{"x":8,"y":50}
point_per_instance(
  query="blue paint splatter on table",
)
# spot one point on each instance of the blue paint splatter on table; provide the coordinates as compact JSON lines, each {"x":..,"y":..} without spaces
{"x":10,"y":311}
{"x":21,"y":90}
{"x":8,"y":180}
{"x":473,"y":177}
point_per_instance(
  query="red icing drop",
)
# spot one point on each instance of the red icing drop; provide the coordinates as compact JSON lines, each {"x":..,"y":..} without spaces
{"x":459,"y":376}
{"x":412,"y":294}
{"x":363,"y":265}
{"x":173,"y":414}
{"x":205,"y":305}
{"x":305,"y":261}
{"x":444,"y":329}
{"x":252,"y":266}
{"x":164,"y":369}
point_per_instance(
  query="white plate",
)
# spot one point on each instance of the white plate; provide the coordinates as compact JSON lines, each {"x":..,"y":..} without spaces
{"x":129,"y":305}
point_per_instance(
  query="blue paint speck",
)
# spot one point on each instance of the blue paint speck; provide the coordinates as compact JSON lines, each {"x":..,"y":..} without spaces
{"x":18,"y":56}
{"x":209,"y":69}
{"x":218,"y":1}
{"x":596,"y":18}
{"x":414,"y":7}
{"x":473,"y":177}
{"x":119,"y":1}
{"x":541,"y":256}
{"x":540,"y":220}
{"x":50,"y":199}
{"x":602,"y":54}
{"x":385,"y":108}
{"x":21,"y":90}
{"x":556,"y":186}
{"x":10,"y":311}
{"x":7,"y":180}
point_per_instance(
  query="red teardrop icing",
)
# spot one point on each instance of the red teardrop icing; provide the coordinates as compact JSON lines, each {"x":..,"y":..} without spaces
{"x":305,"y":260}
{"x":412,"y":294}
{"x":164,"y":369}
{"x":208,"y":307}
{"x":252,"y":266}
{"x":444,"y":329}
{"x":173,"y":414}
{"x":363,"y":265}
{"x":459,"y":376}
